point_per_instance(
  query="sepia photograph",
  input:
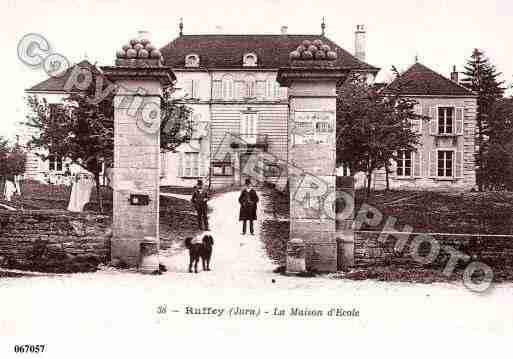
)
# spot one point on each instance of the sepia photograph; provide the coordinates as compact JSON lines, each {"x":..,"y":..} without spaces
{"x":245,"y":179}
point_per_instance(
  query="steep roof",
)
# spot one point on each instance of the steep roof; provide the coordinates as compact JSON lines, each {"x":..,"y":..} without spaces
{"x":421,"y":80}
{"x":227,"y":51}
{"x":56,"y":83}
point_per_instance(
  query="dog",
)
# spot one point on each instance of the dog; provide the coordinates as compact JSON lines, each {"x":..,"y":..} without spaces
{"x":200,"y":247}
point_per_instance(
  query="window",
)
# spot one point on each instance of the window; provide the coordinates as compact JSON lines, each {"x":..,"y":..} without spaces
{"x":273,"y":88}
{"x":191,"y":164}
{"x":445,"y":120}
{"x":404,"y":163}
{"x":56,"y":111}
{"x":260,"y":89}
{"x":192,"y":60}
{"x":445,"y":163}
{"x":249,"y":60}
{"x":201,"y":129}
{"x":248,"y":127}
{"x":323,"y":127}
{"x":222,"y":168}
{"x":54,"y":163}
{"x":191,"y":88}
{"x":250,"y":87}
{"x":227,"y":88}
{"x":272,"y":169}
{"x":217,"y":89}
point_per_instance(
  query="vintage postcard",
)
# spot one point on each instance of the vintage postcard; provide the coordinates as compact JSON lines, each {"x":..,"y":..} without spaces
{"x":250,"y":179}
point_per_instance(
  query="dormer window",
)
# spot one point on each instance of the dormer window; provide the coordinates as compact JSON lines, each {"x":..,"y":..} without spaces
{"x":192,"y":60}
{"x":250,"y":60}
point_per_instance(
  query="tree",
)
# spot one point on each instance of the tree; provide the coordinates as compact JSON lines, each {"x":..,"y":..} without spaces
{"x":82,"y":129}
{"x":498,"y":153}
{"x":12,"y":161}
{"x":372,"y":127}
{"x":482,"y":78}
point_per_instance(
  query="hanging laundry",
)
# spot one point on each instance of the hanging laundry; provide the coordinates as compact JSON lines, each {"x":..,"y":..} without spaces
{"x":10,"y":190}
{"x":80,"y":192}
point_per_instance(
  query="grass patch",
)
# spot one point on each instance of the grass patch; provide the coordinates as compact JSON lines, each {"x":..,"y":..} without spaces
{"x":36,"y":195}
{"x":443,"y":212}
{"x":178,"y":220}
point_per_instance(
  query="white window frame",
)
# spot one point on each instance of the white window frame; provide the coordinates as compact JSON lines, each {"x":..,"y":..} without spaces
{"x":217,"y":89}
{"x":248,"y":127}
{"x":191,"y":166}
{"x":453,"y":163}
{"x":226,"y":169}
{"x":439,"y":119}
{"x":227,"y":92}
{"x":55,"y":161}
{"x":250,"y":87}
{"x":247,"y":63}
{"x":401,"y":163}
{"x":272,"y":89}
{"x":192,"y":60}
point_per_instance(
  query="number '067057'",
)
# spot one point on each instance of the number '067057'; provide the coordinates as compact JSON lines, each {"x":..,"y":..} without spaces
{"x":29,"y":348}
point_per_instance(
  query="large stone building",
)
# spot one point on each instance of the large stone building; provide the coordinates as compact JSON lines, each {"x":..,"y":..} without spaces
{"x":444,"y":157}
{"x":230,"y":83}
{"x":240,"y":110}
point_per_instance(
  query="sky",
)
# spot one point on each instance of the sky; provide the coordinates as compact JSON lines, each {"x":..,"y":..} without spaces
{"x":442,"y":33}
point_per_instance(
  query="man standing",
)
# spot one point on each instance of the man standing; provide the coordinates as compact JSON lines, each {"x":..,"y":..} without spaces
{"x":199,"y":200}
{"x":248,"y":200}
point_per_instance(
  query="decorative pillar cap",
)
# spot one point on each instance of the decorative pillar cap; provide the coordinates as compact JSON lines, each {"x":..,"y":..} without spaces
{"x":140,"y":59}
{"x":139,"y":53}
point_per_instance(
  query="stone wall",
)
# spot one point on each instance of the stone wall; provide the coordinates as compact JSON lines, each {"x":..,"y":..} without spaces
{"x":54,"y":241}
{"x":495,"y":251}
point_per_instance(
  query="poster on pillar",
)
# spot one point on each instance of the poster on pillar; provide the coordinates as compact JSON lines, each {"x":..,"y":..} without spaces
{"x":313,"y":127}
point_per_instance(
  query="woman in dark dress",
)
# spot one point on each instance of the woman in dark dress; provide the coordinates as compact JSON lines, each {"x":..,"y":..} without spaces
{"x":248,"y":200}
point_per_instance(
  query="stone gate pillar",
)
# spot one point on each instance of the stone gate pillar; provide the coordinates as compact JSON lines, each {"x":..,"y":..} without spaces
{"x":140,"y":78}
{"x":312,"y":78}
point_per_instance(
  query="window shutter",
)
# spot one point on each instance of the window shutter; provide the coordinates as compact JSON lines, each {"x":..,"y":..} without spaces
{"x":195,"y":89}
{"x":432,"y":163}
{"x":283,"y":92}
{"x":228,"y":88}
{"x":459,"y":164}
{"x":433,"y":122}
{"x":260,"y":89}
{"x":269,"y":89}
{"x":459,"y":120}
{"x":415,"y":125}
{"x":216,"y":89}
{"x":188,"y":88}
{"x":417,"y":162}
{"x":240,"y":91}
{"x":393,"y":167}
{"x":180,"y":164}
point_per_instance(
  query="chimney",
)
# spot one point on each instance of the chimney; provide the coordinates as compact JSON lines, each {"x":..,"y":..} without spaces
{"x":454,"y":74}
{"x":284,"y":30}
{"x":359,"y":42}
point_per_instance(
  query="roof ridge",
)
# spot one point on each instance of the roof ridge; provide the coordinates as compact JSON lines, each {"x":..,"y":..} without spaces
{"x":445,"y":78}
{"x":418,"y":67}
